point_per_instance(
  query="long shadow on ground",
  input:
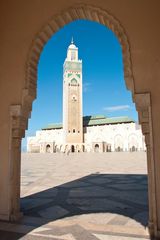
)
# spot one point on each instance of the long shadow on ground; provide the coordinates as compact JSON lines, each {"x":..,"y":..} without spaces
{"x":124,"y":194}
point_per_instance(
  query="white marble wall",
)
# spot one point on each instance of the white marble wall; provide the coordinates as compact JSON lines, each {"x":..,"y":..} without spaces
{"x":121,"y":137}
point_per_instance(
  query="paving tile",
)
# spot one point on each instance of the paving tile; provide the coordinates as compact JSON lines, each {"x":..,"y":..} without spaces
{"x":30,"y":203}
{"x":119,"y":220}
{"x":6,"y":235}
{"x":54,"y":212}
{"x":142,"y":217}
{"x":76,"y":184}
{"x":82,"y":234}
{"x":32,"y":221}
{"x":53,"y":236}
{"x":102,"y":204}
{"x":84,"y":196}
{"x":88,"y":192}
{"x":109,"y":237}
{"x":101,"y":180}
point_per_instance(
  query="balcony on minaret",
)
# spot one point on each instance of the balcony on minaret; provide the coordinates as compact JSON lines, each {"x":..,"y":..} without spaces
{"x":72,"y":52}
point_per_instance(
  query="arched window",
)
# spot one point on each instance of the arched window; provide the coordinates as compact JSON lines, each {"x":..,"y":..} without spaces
{"x":118,"y":143}
{"x":118,"y":149}
{"x":72,"y":148}
{"x":48,"y":148}
{"x":133,"y":149}
{"x":73,"y":55}
{"x":96,"y":148}
{"x":133,"y":143}
{"x":73,"y":82}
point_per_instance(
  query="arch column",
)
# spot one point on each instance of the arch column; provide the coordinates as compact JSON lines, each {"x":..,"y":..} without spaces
{"x":17,"y":130}
{"x":10,"y":157}
{"x":19,"y":115}
{"x":143,"y":106}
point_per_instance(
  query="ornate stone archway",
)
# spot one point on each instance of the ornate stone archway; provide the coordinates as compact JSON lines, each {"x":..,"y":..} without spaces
{"x":19,"y":114}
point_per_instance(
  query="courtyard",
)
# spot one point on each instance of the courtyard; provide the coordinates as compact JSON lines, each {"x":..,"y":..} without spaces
{"x":82,"y":196}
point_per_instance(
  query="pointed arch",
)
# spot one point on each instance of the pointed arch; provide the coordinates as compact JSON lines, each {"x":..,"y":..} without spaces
{"x":85,"y":12}
{"x":19,"y":114}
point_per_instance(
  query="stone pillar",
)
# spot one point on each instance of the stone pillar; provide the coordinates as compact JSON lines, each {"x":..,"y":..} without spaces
{"x":10,"y":165}
{"x":17,"y":129}
{"x":4,"y":170}
{"x":143,"y":105}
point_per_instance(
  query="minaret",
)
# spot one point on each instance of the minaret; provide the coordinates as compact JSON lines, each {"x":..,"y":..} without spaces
{"x":72,"y":97}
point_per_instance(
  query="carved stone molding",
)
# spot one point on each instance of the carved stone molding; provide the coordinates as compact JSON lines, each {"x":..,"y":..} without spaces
{"x":143,"y":105}
{"x":18,"y":122}
{"x":143,"y":102}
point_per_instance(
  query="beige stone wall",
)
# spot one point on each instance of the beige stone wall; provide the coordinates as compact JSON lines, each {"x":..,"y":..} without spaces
{"x":21,"y":21}
{"x":72,"y":97}
{"x":74,"y":116}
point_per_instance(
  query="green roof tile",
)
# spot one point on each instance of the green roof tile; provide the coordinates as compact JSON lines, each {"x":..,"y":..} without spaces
{"x":103,"y":121}
{"x":94,"y":121}
{"x":53,"y":126}
{"x":94,"y":117}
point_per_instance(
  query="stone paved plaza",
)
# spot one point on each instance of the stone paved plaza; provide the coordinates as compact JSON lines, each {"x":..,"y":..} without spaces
{"x":87,"y":196}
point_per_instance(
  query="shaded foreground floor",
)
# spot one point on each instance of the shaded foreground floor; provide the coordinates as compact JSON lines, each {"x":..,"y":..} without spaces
{"x":82,"y":197}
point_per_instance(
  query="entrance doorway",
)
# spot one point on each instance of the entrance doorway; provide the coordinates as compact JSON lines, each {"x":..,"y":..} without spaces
{"x":96,"y":148}
{"x":133,"y":149}
{"x":48,"y":148}
{"x":72,"y":148}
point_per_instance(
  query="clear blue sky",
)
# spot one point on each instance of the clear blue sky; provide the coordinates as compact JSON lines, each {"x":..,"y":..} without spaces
{"x":104,"y":90}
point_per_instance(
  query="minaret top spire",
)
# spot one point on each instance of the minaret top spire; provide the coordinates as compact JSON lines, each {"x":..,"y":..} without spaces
{"x":72,"y":52}
{"x":72,"y":40}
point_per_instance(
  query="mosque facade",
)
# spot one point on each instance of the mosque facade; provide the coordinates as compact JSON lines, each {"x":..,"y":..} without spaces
{"x":89,"y":133}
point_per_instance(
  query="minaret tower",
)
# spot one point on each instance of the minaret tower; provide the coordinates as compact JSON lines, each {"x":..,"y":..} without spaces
{"x":72,"y":97}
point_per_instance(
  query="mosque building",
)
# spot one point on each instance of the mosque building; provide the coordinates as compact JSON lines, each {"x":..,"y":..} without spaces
{"x":89,"y":133}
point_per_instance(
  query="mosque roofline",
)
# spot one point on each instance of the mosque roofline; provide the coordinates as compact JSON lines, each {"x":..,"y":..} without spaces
{"x":95,"y":120}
